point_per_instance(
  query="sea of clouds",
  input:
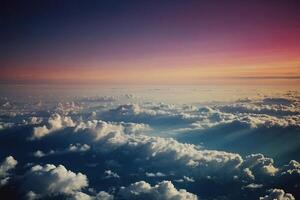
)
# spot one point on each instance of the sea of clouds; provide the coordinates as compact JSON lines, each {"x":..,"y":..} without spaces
{"x":123,"y":147}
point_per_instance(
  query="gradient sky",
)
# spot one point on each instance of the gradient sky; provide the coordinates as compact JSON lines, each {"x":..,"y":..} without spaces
{"x":149,"y":42}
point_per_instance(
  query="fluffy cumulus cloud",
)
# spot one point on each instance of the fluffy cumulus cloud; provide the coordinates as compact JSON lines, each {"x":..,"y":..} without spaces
{"x":186,"y":160}
{"x":49,"y":179}
{"x":277,"y":194}
{"x":100,"y":129}
{"x":8,"y":164}
{"x":259,"y":164}
{"x":78,"y":147}
{"x":169,"y":152}
{"x":164,"y":190}
{"x":55,"y":122}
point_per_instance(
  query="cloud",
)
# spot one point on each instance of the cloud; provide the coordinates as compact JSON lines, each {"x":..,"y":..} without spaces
{"x":186,"y":179}
{"x":39,"y":154}
{"x":253,"y":186}
{"x":185,"y":160}
{"x":293,"y":168}
{"x":34,"y":120}
{"x":78,"y":147}
{"x":278,"y":101}
{"x":167,"y":152}
{"x":4,"y":125}
{"x":55,"y":123}
{"x":276,"y":106}
{"x":110,"y":174}
{"x":164,"y":190}
{"x":50,"y":179}
{"x":100,"y":129}
{"x":73,"y":148}
{"x":66,"y":108}
{"x":130,"y":151}
{"x":277,"y":194}
{"x":153,"y":114}
{"x":82,"y":196}
{"x":260,"y":165}
{"x":104,"y":196}
{"x":157,"y":174}
{"x":8,"y":164}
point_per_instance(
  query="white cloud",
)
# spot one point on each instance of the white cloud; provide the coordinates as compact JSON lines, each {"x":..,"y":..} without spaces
{"x":55,"y":122}
{"x":104,"y":196}
{"x":110,"y":174}
{"x":80,"y":196}
{"x":279,"y":106}
{"x":157,"y":174}
{"x":8,"y":164}
{"x":73,"y":148}
{"x":185,"y":179}
{"x":78,"y":147}
{"x":51,"y":179}
{"x":277,"y":194}
{"x":259,"y":164}
{"x":164,"y":190}
{"x":83,"y":196}
{"x":66,"y":108}
{"x":39,"y":154}
{"x":157,"y":156}
{"x":166,"y":152}
{"x":34,"y":120}
{"x":252,"y":186}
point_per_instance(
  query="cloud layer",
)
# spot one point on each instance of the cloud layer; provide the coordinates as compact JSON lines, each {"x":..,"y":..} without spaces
{"x":124,"y":148}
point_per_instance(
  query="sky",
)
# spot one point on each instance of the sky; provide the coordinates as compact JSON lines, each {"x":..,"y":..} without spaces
{"x":150,"y":42}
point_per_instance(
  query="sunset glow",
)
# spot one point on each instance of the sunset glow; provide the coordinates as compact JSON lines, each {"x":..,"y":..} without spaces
{"x":142,"y":43}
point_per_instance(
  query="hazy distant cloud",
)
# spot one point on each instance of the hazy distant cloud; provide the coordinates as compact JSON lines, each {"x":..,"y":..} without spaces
{"x":110,"y":174}
{"x":164,"y":190}
{"x":8,"y":164}
{"x":39,"y":154}
{"x":73,"y":148}
{"x":34,"y":120}
{"x":67,"y":108}
{"x":163,"y":114}
{"x":185,"y":179}
{"x":278,"y":101}
{"x":157,"y":174}
{"x":276,"y":106}
{"x":253,"y":186}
